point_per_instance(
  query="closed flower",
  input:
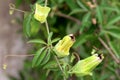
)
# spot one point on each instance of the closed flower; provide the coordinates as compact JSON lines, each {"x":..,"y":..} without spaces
{"x":41,"y":13}
{"x":63,"y":46}
{"x":86,"y":66}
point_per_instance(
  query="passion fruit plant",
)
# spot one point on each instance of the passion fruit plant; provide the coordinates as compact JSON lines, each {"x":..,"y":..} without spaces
{"x":88,"y":24}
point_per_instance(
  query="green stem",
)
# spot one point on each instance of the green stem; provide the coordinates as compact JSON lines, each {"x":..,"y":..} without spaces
{"x":46,"y":2}
{"x":59,"y":66}
{"x":47,"y":27}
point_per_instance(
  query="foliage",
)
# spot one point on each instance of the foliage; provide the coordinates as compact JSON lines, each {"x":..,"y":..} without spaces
{"x":95,"y":23}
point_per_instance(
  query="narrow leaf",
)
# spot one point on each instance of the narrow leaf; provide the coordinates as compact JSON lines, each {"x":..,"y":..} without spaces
{"x":114,"y":20}
{"x":115,"y":32}
{"x":82,"y":5}
{"x":99,"y":15}
{"x":26,"y":24}
{"x":51,"y":64}
{"x":40,"y":41}
{"x":109,"y":8}
{"x":76,"y":11}
{"x":41,"y":57}
{"x":113,"y":46}
{"x":85,"y":21}
{"x":55,"y":40}
{"x":36,"y":57}
{"x":71,"y":4}
{"x":47,"y":57}
{"x":86,"y":17}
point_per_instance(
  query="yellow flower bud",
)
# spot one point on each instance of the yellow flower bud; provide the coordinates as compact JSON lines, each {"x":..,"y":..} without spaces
{"x":63,"y":46}
{"x":41,"y":13}
{"x":86,"y":66}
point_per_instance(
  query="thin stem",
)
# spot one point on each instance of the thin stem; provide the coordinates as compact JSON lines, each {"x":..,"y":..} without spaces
{"x":109,"y":50}
{"x":18,"y":10}
{"x":15,"y":55}
{"x":68,"y":17}
{"x":46,"y":23}
{"x":59,"y":65}
{"x":6,"y":56}
{"x":77,"y":56}
{"x":12,"y":7}
{"x":46,"y":2}
{"x":47,"y":27}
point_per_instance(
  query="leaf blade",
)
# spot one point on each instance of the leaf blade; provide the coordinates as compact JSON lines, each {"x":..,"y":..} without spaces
{"x":55,"y":40}
{"x":99,"y":15}
{"x":47,"y":57}
{"x":114,"y":20}
{"x":35,"y":59}
{"x":26,"y":24}
{"x":40,"y":41}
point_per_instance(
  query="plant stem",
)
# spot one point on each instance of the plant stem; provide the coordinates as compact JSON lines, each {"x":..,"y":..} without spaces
{"x":18,"y":10}
{"x":46,"y":2}
{"x":109,"y":50}
{"x":15,"y":55}
{"x":47,"y":27}
{"x":12,"y":7}
{"x":59,"y":66}
{"x":58,"y":13}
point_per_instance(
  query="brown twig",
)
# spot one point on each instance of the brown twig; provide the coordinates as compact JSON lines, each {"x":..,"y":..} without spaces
{"x":15,"y":55}
{"x":68,"y":17}
{"x":77,"y":56}
{"x":109,"y":50}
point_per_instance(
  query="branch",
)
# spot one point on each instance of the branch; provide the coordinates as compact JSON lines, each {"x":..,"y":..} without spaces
{"x":60,"y":66}
{"x":109,"y":50}
{"x":68,"y":17}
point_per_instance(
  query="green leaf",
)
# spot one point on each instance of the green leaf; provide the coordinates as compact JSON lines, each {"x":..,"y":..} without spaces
{"x":49,"y":38}
{"x":86,"y":17}
{"x":47,"y":57}
{"x":81,"y":39}
{"x":71,"y":4}
{"x":99,"y":14}
{"x":114,"y":47}
{"x":76,"y":11}
{"x":26,"y":24}
{"x":37,"y":56}
{"x":55,"y":40}
{"x":114,"y":20}
{"x":85,"y":21}
{"x":35,"y":27}
{"x":40,"y":41}
{"x":115,"y":32}
{"x":109,"y":8}
{"x":80,"y":3}
{"x":41,"y":57}
{"x":51,"y":64}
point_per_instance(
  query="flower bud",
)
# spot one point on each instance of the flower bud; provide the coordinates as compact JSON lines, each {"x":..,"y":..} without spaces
{"x":63,"y":46}
{"x":86,"y":66}
{"x":41,"y":13}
